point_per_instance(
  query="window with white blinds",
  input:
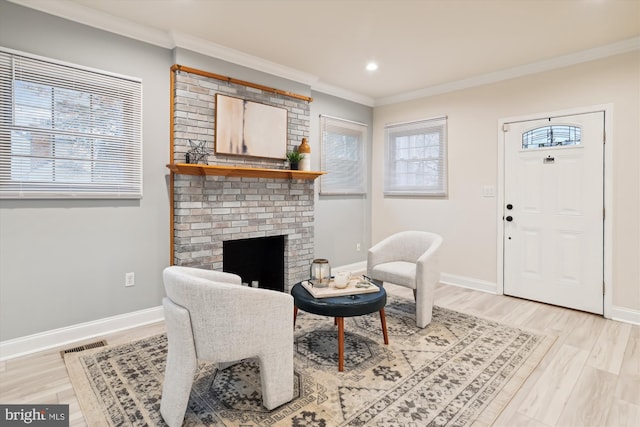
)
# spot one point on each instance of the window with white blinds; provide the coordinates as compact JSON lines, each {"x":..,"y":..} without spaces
{"x":416,"y":158}
{"x":68,"y":131}
{"x":343,"y":157}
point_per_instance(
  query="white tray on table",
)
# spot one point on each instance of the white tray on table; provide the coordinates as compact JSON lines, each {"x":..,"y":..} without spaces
{"x":332,"y":291}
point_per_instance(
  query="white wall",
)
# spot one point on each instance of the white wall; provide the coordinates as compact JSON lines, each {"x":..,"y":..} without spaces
{"x":467,"y":220}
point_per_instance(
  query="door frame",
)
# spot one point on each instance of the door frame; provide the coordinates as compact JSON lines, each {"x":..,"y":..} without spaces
{"x":607,"y":197}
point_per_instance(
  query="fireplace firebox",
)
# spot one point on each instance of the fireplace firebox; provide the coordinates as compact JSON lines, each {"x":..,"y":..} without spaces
{"x":258,"y":260}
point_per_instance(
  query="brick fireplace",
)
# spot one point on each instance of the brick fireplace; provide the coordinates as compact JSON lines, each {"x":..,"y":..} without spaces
{"x":209,"y":210}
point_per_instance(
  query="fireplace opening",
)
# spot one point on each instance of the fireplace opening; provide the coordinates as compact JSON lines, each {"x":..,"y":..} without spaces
{"x":258,"y":260}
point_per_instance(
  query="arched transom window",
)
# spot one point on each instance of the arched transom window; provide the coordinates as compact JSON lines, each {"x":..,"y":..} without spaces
{"x":551,"y":136}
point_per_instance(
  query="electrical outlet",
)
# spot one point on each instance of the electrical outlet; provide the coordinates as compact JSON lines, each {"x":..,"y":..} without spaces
{"x":129,"y":279}
{"x":358,"y":247}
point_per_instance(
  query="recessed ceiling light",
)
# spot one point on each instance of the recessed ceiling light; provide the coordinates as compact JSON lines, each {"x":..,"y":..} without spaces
{"x":372,"y":66}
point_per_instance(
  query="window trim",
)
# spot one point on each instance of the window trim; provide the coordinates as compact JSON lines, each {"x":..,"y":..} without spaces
{"x":405,"y":129}
{"x":59,"y":76}
{"x":360,"y":187}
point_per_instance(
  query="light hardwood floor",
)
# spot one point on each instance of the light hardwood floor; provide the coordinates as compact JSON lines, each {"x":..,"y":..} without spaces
{"x":589,"y":377}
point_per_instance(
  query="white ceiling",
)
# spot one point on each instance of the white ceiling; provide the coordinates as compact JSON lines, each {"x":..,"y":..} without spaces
{"x":421,"y":46}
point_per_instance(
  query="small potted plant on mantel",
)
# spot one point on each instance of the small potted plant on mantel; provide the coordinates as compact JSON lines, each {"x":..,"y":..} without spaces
{"x":294,"y":159}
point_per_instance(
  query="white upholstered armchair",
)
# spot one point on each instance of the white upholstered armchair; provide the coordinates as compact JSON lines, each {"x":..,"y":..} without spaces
{"x":210,"y":316}
{"x":410,"y":259}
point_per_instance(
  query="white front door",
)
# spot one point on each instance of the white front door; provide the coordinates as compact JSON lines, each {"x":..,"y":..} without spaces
{"x":553,"y":211}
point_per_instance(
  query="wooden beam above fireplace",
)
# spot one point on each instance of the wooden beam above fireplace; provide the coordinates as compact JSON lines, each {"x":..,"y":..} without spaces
{"x":238,"y":171}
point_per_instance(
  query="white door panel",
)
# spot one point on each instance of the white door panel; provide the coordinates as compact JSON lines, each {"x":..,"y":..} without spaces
{"x":532,"y":254}
{"x":569,"y":265}
{"x":532,"y":191}
{"x":553,"y":228}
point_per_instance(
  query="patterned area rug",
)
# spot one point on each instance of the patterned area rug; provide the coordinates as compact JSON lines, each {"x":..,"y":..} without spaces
{"x":460,"y":370}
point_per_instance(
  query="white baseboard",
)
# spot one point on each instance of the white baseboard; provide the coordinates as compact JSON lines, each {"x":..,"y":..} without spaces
{"x":445,"y":278}
{"x":72,"y":334}
{"x":468,"y":282}
{"x":22,"y":346}
{"x":626,"y":315}
{"x":355,"y":268}
{"x":620,"y":314}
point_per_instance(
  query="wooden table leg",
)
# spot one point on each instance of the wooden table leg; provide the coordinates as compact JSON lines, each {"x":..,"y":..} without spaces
{"x":340,"y":321}
{"x":383,"y":320}
{"x":295,"y":315}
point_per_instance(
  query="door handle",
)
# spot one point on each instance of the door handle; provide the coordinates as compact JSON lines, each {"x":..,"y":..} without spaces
{"x":509,"y":218}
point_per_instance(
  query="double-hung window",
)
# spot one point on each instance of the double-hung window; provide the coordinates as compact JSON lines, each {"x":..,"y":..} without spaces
{"x":68,"y":131}
{"x":416,"y":158}
{"x":343,"y":157}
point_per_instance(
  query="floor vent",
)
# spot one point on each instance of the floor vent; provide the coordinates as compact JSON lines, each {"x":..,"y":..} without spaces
{"x":84,"y":347}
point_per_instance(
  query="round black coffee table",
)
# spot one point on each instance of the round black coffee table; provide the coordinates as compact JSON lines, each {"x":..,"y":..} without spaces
{"x":339,"y":308}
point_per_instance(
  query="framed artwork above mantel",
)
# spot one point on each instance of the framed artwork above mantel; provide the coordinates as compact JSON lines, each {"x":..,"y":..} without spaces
{"x":247,"y":128}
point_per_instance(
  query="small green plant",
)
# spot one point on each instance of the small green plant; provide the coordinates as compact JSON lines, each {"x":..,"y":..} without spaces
{"x":294,"y":156}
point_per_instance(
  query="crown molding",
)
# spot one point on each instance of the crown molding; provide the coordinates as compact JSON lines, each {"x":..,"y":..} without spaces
{"x":75,"y":12}
{"x":168,"y":39}
{"x":623,"y":46}
{"x":94,"y":18}
{"x":237,"y":57}
{"x":339,"y":92}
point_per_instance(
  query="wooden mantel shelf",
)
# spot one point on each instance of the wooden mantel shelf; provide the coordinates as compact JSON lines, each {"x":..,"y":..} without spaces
{"x":237,"y":171}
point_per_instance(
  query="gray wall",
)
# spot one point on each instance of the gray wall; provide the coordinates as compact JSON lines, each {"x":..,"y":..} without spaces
{"x":63,"y":262}
{"x":341,"y":221}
